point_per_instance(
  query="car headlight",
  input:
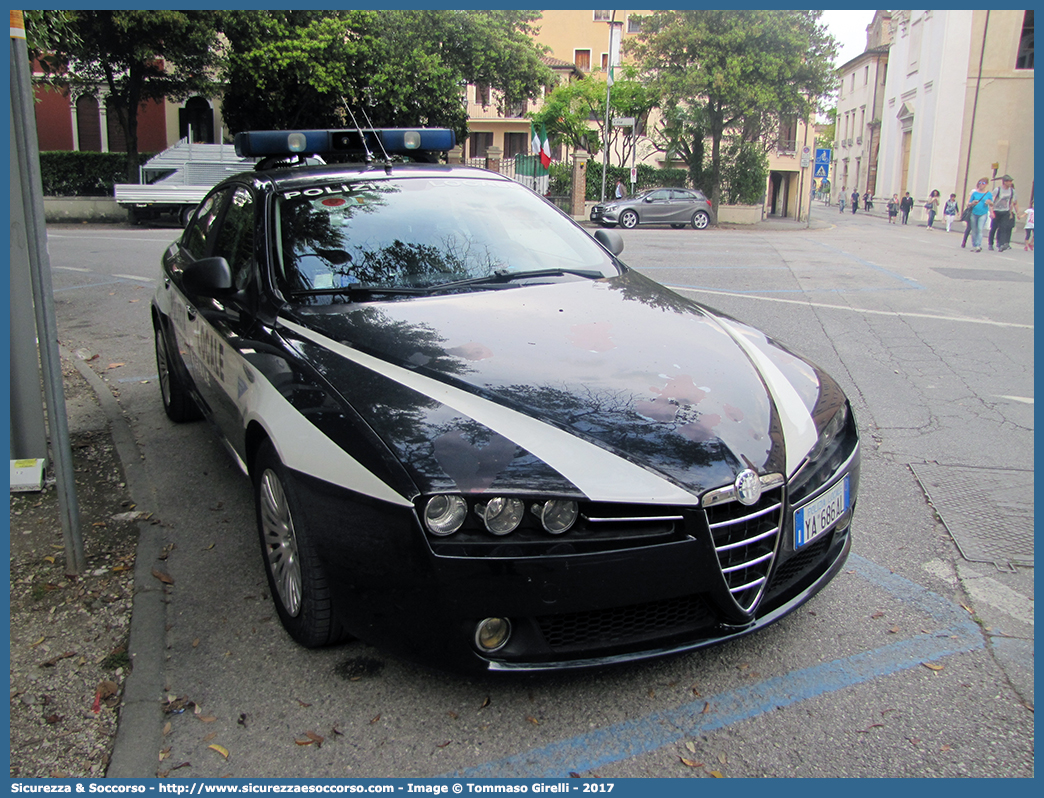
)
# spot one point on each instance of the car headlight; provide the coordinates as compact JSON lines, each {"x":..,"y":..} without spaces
{"x":834,"y":446}
{"x":444,"y":515}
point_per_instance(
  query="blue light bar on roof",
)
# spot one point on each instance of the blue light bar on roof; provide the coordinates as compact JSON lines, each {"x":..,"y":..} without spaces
{"x":395,"y":141}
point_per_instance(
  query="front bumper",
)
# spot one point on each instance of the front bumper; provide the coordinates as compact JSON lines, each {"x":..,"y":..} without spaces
{"x":574,"y":610}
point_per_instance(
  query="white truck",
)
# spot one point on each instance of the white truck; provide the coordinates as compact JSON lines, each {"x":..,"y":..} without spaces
{"x":176,"y":180}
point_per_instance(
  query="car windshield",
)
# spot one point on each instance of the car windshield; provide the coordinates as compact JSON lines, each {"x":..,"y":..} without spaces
{"x":417,"y":233}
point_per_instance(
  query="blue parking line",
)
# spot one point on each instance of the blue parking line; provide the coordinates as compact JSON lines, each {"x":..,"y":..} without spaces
{"x":622,"y":741}
{"x":869,"y":264}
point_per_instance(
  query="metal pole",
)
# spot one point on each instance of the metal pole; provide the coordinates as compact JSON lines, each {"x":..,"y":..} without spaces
{"x":27,"y":148}
{"x":608,"y":90}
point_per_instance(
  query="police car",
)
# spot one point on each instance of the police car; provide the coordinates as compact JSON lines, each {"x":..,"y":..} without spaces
{"x":476,"y":438}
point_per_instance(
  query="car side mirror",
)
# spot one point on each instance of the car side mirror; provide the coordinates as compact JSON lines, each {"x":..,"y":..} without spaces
{"x":611,"y":240}
{"x":208,"y":277}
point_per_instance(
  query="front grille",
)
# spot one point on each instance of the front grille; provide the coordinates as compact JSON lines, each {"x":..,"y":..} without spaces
{"x":745,"y":539}
{"x":625,"y":625}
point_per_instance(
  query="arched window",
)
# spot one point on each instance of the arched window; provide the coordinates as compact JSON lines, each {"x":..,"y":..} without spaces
{"x":88,"y":124}
{"x":196,"y":121}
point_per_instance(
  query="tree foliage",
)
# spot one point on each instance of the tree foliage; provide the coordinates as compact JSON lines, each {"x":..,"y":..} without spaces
{"x":388,"y":68}
{"x":741,"y":68}
{"x":136,"y":55}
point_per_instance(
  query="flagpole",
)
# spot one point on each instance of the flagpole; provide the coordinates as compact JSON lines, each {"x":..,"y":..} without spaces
{"x":608,"y":90}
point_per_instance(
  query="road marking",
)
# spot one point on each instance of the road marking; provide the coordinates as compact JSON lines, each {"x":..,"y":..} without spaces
{"x":135,"y":277}
{"x":986,"y":590}
{"x":823,"y":306}
{"x":73,"y":269}
{"x":629,"y":739}
{"x":1028,"y":400}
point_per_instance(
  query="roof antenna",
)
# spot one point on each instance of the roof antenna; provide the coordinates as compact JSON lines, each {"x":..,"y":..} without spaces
{"x":387,"y":158}
{"x":362,"y":135}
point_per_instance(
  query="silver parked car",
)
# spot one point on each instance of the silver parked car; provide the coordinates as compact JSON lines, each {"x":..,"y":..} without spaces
{"x":674,"y":206}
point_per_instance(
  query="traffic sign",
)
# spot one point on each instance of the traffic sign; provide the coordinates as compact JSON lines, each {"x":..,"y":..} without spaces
{"x":822,"y":170}
{"x":822,"y":156}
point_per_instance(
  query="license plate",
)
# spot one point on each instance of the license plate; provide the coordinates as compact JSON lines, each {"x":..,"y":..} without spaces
{"x":821,"y":515}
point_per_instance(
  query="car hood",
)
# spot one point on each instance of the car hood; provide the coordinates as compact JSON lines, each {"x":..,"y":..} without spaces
{"x":614,"y":389}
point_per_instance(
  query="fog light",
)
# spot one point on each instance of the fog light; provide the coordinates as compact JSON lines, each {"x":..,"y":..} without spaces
{"x":444,"y":515}
{"x":502,"y":516}
{"x":558,"y":515}
{"x":492,"y":634}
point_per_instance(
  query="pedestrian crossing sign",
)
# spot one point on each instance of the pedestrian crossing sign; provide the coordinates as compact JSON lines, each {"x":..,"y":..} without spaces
{"x":822,"y":170}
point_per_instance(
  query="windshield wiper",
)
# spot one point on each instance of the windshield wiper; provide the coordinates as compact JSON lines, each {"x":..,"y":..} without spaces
{"x":502,"y":276}
{"x":358,"y":290}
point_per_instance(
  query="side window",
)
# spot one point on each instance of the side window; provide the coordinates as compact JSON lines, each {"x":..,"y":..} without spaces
{"x":235,"y":237}
{"x":194,"y":239}
{"x":679,"y":194}
{"x":660,"y":196}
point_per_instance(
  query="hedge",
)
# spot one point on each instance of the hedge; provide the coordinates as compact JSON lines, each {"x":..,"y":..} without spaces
{"x":648,"y":177}
{"x":83,"y":174}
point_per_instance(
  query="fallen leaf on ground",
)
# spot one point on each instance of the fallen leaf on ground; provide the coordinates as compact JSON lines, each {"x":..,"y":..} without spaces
{"x":692,"y":763}
{"x":220,"y":749}
{"x":163,"y":577}
{"x":933,"y":666}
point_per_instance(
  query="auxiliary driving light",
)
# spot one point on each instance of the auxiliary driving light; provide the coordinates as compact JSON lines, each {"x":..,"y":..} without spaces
{"x":492,"y":634}
{"x":444,"y":515}
{"x":557,"y":515}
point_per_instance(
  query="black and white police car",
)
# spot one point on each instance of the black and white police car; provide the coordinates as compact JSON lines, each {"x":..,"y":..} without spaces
{"x":478,"y":439}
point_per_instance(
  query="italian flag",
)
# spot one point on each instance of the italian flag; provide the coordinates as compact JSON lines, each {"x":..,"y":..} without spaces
{"x":541,"y":147}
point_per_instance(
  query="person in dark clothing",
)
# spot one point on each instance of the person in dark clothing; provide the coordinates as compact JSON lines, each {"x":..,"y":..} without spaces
{"x":906,"y":205}
{"x":855,"y":201}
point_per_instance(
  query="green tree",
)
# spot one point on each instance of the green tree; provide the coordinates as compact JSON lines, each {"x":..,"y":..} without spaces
{"x":387,"y":68}
{"x":132,"y":57}
{"x":825,"y":139}
{"x":682,"y":131}
{"x":741,"y":67}
{"x":744,"y":172}
{"x":574,"y":113}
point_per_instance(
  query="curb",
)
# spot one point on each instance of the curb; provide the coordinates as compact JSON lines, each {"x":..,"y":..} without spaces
{"x":138,"y":734}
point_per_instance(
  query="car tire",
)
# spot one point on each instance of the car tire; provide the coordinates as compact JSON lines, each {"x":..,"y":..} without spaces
{"x":185,"y":216}
{"x":700,"y":220}
{"x":628,"y":219}
{"x":177,"y":401}
{"x":296,"y":580}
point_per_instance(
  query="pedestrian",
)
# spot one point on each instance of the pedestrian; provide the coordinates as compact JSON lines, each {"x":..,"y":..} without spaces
{"x":932,"y":206}
{"x":868,"y":201}
{"x":824,"y":187}
{"x":621,"y":192}
{"x":906,"y":206}
{"x":950,"y":211}
{"x":1028,"y":216}
{"x":855,"y":201}
{"x":893,"y":208}
{"x":980,"y":201}
{"x":841,"y":199}
{"x":1005,"y":211}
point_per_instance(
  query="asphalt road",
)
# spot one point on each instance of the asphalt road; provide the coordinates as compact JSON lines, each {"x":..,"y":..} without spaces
{"x":916,"y":661}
